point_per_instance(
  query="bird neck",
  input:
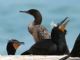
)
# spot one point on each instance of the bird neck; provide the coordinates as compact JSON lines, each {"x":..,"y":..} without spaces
{"x":11,"y":52}
{"x":37,"y":19}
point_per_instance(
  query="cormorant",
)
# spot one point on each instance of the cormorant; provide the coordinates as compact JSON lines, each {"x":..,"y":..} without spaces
{"x":58,"y":37}
{"x":12,"y":46}
{"x":38,"y":31}
{"x":54,"y":46}
{"x":75,"y":51}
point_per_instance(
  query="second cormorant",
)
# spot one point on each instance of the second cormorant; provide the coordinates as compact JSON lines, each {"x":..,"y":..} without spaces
{"x":38,"y":31}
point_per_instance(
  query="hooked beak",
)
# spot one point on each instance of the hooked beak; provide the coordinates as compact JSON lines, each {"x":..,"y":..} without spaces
{"x":63,"y":25}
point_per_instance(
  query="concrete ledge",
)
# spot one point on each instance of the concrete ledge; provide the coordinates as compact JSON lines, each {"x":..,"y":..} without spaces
{"x":34,"y":57}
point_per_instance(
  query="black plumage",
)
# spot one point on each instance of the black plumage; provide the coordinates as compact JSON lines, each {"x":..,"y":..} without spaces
{"x":75,"y":51}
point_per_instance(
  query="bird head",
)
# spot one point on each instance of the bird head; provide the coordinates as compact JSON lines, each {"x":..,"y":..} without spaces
{"x":12,"y":45}
{"x":31,"y":12}
{"x":36,"y":14}
{"x":62,"y":25}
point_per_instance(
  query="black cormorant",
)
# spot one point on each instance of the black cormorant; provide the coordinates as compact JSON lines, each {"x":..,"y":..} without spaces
{"x":12,"y":46}
{"x":38,"y":31}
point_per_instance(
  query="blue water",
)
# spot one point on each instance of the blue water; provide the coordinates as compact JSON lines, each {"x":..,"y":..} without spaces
{"x":14,"y":24}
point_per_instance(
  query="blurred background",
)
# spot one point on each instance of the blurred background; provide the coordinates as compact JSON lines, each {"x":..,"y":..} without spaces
{"x":14,"y":24}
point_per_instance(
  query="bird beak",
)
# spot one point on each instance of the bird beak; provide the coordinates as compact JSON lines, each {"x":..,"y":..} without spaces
{"x":21,"y":43}
{"x":23,"y":11}
{"x":16,"y":45}
{"x":63,"y":25}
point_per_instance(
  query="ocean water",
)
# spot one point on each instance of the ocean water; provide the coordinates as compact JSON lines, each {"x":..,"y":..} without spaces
{"x":14,"y":24}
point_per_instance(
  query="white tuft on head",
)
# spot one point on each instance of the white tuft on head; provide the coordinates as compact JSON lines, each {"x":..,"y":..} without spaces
{"x":52,"y":24}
